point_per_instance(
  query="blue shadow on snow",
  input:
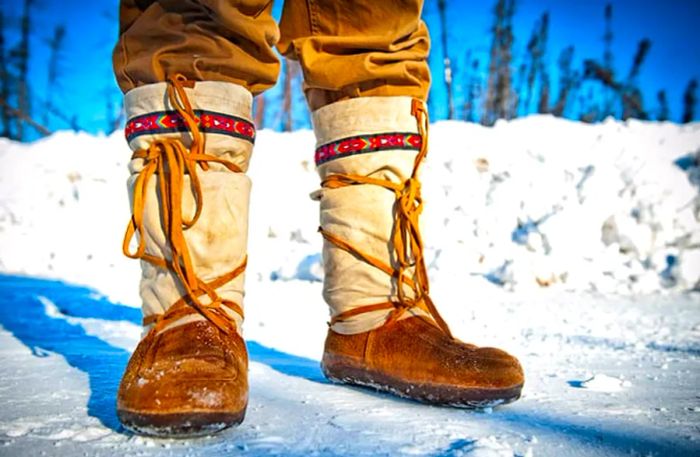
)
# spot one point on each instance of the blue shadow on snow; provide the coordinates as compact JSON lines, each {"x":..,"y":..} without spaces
{"x":24,"y":315}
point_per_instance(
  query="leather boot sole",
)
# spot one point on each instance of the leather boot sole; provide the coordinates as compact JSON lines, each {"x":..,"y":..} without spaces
{"x":179,"y":425}
{"x":433,"y":394}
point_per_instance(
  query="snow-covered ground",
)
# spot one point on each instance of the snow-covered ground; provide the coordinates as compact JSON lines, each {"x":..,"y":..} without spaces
{"x":575,"y":247}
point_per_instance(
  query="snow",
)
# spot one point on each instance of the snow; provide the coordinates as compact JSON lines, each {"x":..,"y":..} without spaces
{"x":604,"y":383}
{"x":575,"y":247}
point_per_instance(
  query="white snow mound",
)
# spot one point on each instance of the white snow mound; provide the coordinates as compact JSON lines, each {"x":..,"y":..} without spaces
{"x":534,"y":203}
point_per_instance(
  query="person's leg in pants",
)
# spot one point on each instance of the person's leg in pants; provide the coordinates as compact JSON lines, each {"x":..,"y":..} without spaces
{"x":366,"y":80}
{"x":210,"y":40}
{"x":189,"y":71}
{"x":366,"y":76}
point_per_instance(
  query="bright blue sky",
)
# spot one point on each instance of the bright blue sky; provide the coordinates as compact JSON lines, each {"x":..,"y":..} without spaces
{"x":87,"y":82}
{"x":671,"y":25}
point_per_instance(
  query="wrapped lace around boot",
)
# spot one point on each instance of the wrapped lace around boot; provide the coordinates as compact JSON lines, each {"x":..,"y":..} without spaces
{"x":189,"y":198}
{"x":385,"y":331}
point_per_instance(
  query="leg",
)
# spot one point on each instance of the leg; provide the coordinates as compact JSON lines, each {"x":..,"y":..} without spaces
{"x":351,"y":48}
{"x":367,"y":79}
{"x":211,"y":40}
{"x":189,"y":70}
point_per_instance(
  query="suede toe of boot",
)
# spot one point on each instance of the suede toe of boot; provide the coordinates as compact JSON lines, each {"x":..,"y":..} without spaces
{"x":186,"y":381}
{"x":414,"y":359}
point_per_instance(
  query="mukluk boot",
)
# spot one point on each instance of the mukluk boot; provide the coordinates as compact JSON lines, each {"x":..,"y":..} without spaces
{"x":189,"y":200}
{"x":385,"y":331}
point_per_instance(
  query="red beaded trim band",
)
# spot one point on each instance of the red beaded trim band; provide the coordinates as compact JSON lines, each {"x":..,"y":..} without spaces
{"x":363,"y":144}
{"x":171,"y":122}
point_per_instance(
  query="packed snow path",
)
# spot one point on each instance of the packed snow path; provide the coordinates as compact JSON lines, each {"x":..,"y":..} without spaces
{"x":604,"y":377}
{"x":575,"y":247}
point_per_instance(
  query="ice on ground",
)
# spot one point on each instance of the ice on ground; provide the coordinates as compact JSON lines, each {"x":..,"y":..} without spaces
{"x":575,"y":247}
{"x":602,"y":383}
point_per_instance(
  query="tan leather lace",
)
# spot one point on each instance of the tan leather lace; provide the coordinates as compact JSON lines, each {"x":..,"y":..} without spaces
{"x":406,"y":237}
{"x":170,"y":161}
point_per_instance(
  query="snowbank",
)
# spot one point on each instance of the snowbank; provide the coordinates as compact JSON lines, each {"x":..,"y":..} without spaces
{"x":533,"y":203}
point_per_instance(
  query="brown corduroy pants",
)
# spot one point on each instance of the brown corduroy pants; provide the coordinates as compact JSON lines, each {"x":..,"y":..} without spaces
{"x":346,"y":48}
